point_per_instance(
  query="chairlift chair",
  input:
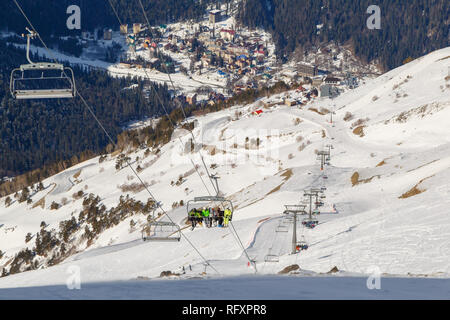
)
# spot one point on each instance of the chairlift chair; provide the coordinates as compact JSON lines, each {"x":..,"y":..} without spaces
{"x":271,"y":257}
{"x":302,"y":244}
{"x":319,"y":204}
{"x":282,"y":227}
{"x":210,"y":202}
{"x":161,"y":231}
{"x":41,"y":80}
{"x":310,"y":223}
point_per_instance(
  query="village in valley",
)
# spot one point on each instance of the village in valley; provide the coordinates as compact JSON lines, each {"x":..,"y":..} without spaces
{"x":212,"y":60}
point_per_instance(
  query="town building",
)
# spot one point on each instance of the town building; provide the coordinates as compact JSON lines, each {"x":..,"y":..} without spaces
{"x":215,"y":16}
{"x":317,"y":81}
{"x":328,"y":91}
{"x":307,"y":70}
{"x":227,"y":34}
{"x":136,"y":28}
{"x":107,"y":34}
{"x":332,"y":80}
{"x":191,"y":99}
{"x":124,"y":29}
{"x":290,"y":102}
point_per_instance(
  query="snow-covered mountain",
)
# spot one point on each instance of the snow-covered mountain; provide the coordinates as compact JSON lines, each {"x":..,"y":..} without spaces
{"x":388,"y":179}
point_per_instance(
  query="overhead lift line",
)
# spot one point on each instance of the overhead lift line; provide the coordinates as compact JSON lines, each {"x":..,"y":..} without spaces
{"x":113,"y":142}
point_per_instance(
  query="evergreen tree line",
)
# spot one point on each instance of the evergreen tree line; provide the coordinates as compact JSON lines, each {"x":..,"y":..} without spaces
{"x":408,"y":28}
{"x":53,"y":134}
{"x":49,"y":16}
{"x":54,"y":246}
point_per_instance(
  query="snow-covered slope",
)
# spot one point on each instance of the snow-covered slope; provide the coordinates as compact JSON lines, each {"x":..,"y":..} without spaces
{"x":388,"y":180}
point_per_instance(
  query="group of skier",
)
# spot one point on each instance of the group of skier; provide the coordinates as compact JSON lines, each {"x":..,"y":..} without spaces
{"x":210,"y":217}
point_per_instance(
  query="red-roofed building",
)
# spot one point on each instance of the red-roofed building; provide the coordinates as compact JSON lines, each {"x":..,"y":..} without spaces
{"x":227,"y":34}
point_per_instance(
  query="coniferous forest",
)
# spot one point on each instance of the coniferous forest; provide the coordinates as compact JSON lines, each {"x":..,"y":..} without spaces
{"x":40,"y":132}
{"x":96,"y":14}
{"x":54,"y":134}
{"x":408,"y":28}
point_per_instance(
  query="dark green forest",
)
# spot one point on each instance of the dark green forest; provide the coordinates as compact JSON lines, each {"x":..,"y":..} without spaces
{"x":53,"y":134}
{"x":408,"y":28}
{"x":40,"y":132}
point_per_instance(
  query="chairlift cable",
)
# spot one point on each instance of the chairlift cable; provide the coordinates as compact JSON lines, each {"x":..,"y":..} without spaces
{"x":243,"y":248}
{"x":115,"y":12}
{"x":167,"y":114}
{"x":204,"y":184}
{"x":181,"y":142}
{"x":193,"y":137}
{"x":235,"y":234}
{"x":171,"y":121}
{"x":271,"y":246}
{"x":182,"y":109}
{"x":162,"y":103}
{"x":164,"y":108}
{"x":173,"y":126}
{"x":112,"y":141}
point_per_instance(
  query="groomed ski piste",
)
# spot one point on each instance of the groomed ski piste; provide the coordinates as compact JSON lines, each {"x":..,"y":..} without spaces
{"x":392,"y":217}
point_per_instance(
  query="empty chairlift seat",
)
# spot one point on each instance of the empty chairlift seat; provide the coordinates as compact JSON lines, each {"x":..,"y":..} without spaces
{"x":54,"y":81}
{"x":282,"y":227}
{"x":161,"y":231}
{"x":270,"y":257}
{"x":42,"y":80}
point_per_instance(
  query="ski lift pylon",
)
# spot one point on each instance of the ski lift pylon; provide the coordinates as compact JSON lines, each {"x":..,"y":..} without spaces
{"x":56,"y":73}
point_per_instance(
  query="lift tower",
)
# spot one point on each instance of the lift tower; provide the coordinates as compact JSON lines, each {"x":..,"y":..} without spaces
{"x":317,"y":203}
{"x":323,"y":156}
{"x":294,"y":210}
{"x":310,"y":222}
{"x":330,"y":147}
